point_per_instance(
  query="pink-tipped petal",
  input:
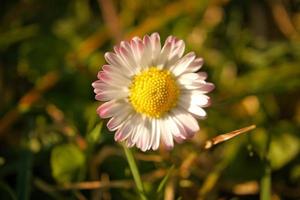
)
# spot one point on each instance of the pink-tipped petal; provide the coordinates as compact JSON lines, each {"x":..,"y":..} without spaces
{"x":119,"y":117}
{"x":187,"y":120}
{"x":122,"y":133}
{"x":195,"y":65}
{"x":156,"y":46}
{"x":182,"y":64}
{"x":108,"y":109}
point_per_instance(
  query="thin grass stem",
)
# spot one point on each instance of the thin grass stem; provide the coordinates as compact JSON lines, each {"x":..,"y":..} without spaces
{"x":135,"y":172}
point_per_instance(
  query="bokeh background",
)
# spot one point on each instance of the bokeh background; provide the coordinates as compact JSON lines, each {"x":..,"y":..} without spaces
{"x":54,"y":146}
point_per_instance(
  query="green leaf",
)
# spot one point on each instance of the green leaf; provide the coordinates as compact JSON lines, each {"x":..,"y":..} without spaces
{"x":283,"y":149}
{"x":90,"y":116}
{"x":94,"y":135}
{"x":67,"y":163}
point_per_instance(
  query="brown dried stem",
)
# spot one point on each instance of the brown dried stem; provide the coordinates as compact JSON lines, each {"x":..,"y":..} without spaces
{"x":227,"y":136}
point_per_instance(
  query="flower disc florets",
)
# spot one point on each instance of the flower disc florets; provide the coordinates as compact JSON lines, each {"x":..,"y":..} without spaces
{"x":153,"y":92}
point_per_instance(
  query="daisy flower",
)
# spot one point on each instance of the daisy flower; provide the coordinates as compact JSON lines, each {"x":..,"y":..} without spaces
{"x":152,"y":94}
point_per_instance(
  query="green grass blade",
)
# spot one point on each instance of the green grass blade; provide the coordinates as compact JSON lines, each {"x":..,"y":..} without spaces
{"x":265,"y":184}
{"x":163,"y":182}
{"x":24,"y":175}
{"x":135,"y":172}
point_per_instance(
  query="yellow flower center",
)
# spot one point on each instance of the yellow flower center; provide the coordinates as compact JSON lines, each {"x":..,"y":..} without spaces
{"x":153,"y":92}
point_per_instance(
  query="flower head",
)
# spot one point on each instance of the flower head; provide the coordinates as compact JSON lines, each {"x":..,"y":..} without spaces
{"x":152,"y":93}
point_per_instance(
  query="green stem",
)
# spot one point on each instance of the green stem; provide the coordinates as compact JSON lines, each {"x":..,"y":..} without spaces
{"x":135,"y":172}
{"x":265,"y":182}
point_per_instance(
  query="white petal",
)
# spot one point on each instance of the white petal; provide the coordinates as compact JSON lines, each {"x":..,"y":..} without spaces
{"x":152,"y":132}
{"x":147,"y":140}
{"x":108,"y":109}
{"x":166,"y":134}
{"x":125,"y":54}
{"x":137,"y":136}
{"x":119,"y":117}
{"x":144,"y":136}
{"x":194,"y":109}
{"x":134,"y":137}
{"x":141,"y":135}
{"x":171,"y":52}
{"x":100,"y":86}
{"x":127,"y":128}
{"x":111,"y":69}
{"x":195,"y":65}
{"x":147,"y":55}
{"x":123,"y":132}
{"x":187,"y":120}
{"x":176,"y":128}
{"x":137,"y":48}
{"x":117,"y":62}
{"x":176,"y":53}
{"x":195,"y":99}
{"x":184,"y":134}
{"x":108,"y":95}
{"x":156,"y":142}
{"x":201,"y":87}
{"x":180,"y":66}
{"x":156,"y":47}
{"x":178,"y":49}
{"x":188,"y":78}
{"x":164,"y":54}
{"x":113,"y":78}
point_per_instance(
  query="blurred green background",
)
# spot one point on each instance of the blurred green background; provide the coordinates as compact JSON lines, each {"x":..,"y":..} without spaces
{"x":54,"y":146}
